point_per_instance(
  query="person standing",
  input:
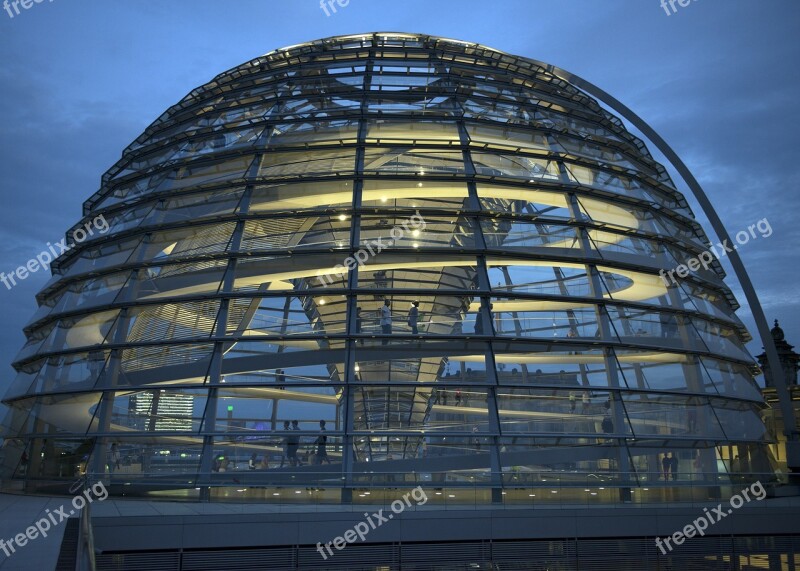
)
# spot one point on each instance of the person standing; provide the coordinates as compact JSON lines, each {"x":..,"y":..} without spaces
{"x":280,"y":379}
{"x":286,"y":439}
{"x":673,"y":466}
{"x":666,"y":466}
{"x":296,"y":445}
{"x":322,"y":445}
{"x":572,"y":401}
{"x":386,"y":320}
{"x":476,"y":440}
{"x":413,"y":317}
{"x":113,"y":460}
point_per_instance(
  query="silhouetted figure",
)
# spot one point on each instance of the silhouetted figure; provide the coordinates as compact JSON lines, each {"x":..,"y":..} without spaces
{"x":322,"y":445}
{"x":476,"y":440}
{"x":280,"y":379}
{"x":286,"y":439}
{"x":666,"y":466}
{"x":386,"y":320}
{"x":673,"y":466}
{"x":669,"y":325}
{"x":113,"y":458}
{"x":413,"y":317}
{"x":294,"y":445}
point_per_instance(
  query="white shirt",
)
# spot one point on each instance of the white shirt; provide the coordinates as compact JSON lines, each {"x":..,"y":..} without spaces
{"x":386,"y":315}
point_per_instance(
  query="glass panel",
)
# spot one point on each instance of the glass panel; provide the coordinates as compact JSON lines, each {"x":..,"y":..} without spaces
{"x":298,"y":197}
{"x":531,"y":411}
{"x":194,"y":207}
{"x":246,"y":413}
{"x":149,"y":465}
{"x":553,"y":365}
{"x":538,"y":277}
{"x":544,"y":319}
{"x":739,"y":420}
{"x":101,"y":257}
{"x":157,"y":410}
{"x":179,"y":279}
{"x":660,"y":370}
{"x":287,"y":316}
{"x":60,"y":414}
{"x":285,"y":376}
{"x":732,"y":379}
{"x":164,"y":365}
{"x":187,"y":242}
{"x":297,"y":273}
{"x":48,"y":459}
{"x":313,"y":133}
{"x":77,"y":371}
{"x":427,"y":132}
{"x":511,"y":235}
{"x":409,"y":271}
{"x":673,"y":415}
{"x":82,"y":331}
{"x":296,"y":233}
{"x":388,"y":194}
{"x":92,"y":292}
{"x":307,"y":163}
{"x":488,"y":136}
{"x":253,"y":357}
{"x":201,"y":173}
{"x":417,"y":231}
{"x":412,"y":161}
{"x":530,"y":168}
{"x":524,"y":200}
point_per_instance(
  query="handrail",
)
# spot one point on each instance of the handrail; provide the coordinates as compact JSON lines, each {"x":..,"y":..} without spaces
{"x":85,"y":557}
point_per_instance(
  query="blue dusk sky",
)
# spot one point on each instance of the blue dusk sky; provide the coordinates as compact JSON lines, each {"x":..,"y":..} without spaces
{"x":717,"y":79}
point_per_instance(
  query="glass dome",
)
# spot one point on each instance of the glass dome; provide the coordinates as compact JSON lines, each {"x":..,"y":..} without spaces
{"x":446,"y":255}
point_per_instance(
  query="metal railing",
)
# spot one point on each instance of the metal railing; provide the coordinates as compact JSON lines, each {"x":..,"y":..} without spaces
{"x":85,"y":553}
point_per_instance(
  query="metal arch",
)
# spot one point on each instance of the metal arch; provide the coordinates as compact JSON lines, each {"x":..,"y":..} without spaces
{"x":790,"y":423}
